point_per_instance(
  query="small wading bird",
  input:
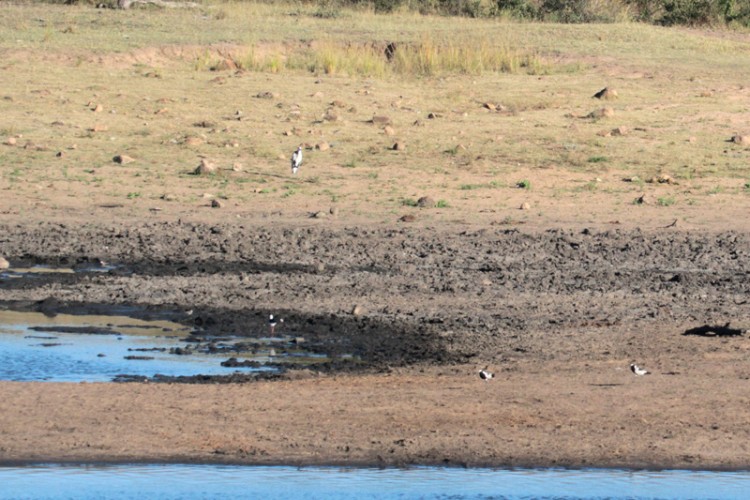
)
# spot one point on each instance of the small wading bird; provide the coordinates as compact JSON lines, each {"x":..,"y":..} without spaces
{"x":638,"y":370}
{"x":272,"y":323}
{"x":296,"y":160}
{"x":485,"y":375}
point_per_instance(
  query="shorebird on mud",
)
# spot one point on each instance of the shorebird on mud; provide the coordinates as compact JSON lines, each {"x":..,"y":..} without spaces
{"x":638,"y":370}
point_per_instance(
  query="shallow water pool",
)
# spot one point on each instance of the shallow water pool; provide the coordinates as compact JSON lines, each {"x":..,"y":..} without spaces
{"x":217,"y":481}
{"x":35,"y":347}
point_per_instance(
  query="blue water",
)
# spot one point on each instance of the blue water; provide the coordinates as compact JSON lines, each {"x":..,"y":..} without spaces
{"x":76,"y":357}
{"x":217,"y":481}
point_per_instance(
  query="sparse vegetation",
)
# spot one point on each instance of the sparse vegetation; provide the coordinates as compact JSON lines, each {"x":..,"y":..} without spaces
{"x":505,"y":124}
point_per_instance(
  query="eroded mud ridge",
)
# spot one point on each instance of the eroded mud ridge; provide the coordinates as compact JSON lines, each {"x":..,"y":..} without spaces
{"x":421,"y":295}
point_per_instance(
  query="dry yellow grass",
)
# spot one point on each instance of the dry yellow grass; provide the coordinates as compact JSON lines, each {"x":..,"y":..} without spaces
{"x":479,"y":105}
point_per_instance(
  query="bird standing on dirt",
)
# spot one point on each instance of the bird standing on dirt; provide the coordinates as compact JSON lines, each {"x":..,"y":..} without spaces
{"x":485,"y":375}
{"x":296,"y":160}
{"x":638,"y":370}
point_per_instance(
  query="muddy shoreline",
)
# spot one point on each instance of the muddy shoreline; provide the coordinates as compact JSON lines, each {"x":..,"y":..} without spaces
{"x":558,"y":315}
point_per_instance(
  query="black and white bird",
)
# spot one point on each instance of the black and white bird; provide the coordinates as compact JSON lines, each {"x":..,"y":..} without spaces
{"x":296,"y":160}
{"x":486,"y":375}
{"x":638,"y":370}
{"x":272,"y":322}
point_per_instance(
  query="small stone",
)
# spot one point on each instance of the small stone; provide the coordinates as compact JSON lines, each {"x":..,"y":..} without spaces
{"x":525,"y":206}
{"x":399,"y":146}
{"x":743,"y":140}
{"x":319,"y":215}
{"x":216,"y":203}
{"x":322,"y":146}
{"x":320,"y":267}
{"x":334,"y":211}
{"x":433,"y":116}
{"x":237,"y":167}
{"x":168,"y":197}
{"x":408,"y":218}
{"x":331,"y":115}
{"x":192,"y":140}
{"x":267,"y":95}
{"x":606,"y":112}
{"x":4,"y":264}
{"x":99,"y":128}
{"x":389,"y":131}
{"x":641,"y":200}
{"x":60,"y":154}
{"x":98,"y":108}
{"x":490,"y":106}
{"x":358,"y":310}
{"x":11,"y":141}
{"x":622,"y":130}
{"x":205,"y":168}
{"x":123,"y":159}
{"x":426,"y":202}
{"x":606,"y":93}
{"x":338,"y":104}
{"x":381,"y":120}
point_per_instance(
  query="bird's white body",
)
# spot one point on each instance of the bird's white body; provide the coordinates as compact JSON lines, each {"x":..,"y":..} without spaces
{"x":638,"y":370}
{"x":485,"y":375}
{"x":296,"y":160}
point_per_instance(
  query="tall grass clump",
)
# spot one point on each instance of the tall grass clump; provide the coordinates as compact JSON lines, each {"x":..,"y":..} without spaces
{"x":424,"y":58}
{"x":468,"y":56}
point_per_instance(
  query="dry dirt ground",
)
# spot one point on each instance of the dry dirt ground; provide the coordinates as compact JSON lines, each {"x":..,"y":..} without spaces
{"x":557,"y":314}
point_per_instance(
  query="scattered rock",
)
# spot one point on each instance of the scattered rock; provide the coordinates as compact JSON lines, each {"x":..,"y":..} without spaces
{"x":525,"y":206}
{"x":98,"y":108}
{"x":606,"y":94}
{"x":358,"y":310}
{"x":322,"y":146}
{"x":426,"y":202}
{"x":399,"y":146}
{"x":642,"y":200}
{"x":331,"y":115}
{"x":320,"y":267}
{"x":661,"y":179}
{"x":742,"y":140}
{"x":123,"y":159}
{"x":192,"y":140}
{"x":4,"y":264}
{"x":381,"y":120}
{"x":621,"y":130}
{"x":237,"y":167}
{"x":216,"y":203}
{"x":11,"y":141}
{"x":606,"y":112}
{"x":389,"y":131}
{"x":205,"y":168}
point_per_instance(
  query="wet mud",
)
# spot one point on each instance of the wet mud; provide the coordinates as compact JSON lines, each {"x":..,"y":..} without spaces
{"x":379,"y":298}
